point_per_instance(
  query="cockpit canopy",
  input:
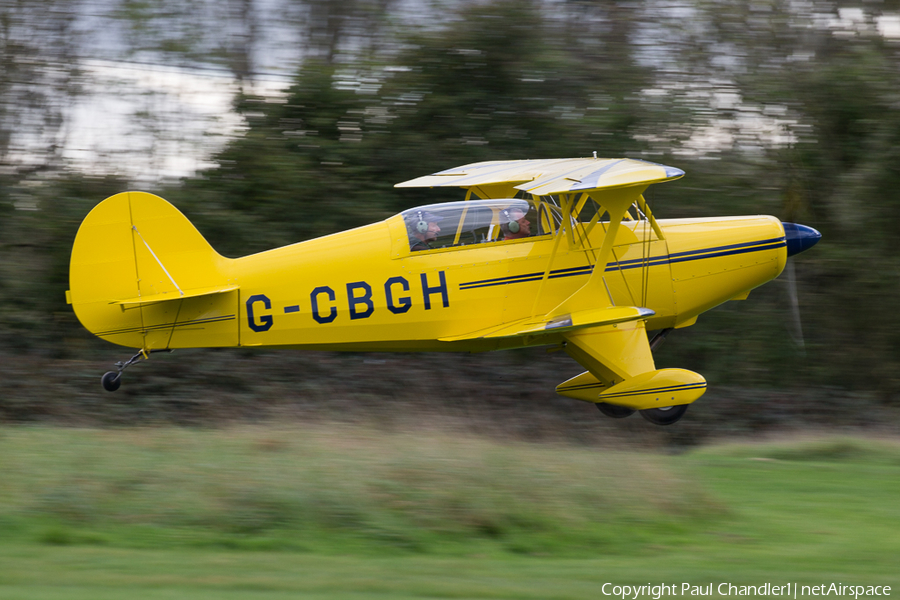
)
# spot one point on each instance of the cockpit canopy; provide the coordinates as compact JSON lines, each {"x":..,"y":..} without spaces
{"x":476,"y":222}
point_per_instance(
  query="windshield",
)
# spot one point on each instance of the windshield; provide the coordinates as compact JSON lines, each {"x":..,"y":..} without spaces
{"x":473,"y":222}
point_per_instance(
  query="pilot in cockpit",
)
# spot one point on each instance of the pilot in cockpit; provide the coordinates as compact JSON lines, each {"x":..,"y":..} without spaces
{"x":423,"y":230}
{"x":513,"y":223}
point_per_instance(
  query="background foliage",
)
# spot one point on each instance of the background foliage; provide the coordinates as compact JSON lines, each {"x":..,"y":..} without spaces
{"x":777,"y":107}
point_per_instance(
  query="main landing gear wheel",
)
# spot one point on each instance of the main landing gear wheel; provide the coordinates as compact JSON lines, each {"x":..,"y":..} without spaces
{"x":665,"y":416}
{"x":111,"y":381}
{"x":614,"y":410}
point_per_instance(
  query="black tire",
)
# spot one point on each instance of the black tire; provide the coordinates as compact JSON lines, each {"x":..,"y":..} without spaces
{"x":665,"y":416}
{"x":614,"y":410}
{"x":111,"y":381}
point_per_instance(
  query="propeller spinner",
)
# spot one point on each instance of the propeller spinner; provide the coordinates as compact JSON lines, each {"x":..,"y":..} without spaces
{"x":799,"y":237}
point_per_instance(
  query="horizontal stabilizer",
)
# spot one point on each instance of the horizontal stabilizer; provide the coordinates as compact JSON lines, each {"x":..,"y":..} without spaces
{"x":577,"y":320}
{"x":169,"y":296}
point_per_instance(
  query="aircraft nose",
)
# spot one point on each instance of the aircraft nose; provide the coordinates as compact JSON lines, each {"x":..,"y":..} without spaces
{"x":799,"y":237}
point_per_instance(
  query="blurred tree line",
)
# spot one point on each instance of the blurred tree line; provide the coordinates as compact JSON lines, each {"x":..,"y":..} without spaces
{"x":771,"y":107}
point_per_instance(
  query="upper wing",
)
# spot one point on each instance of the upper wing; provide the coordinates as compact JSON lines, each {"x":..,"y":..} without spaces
{"x":551,"y":176}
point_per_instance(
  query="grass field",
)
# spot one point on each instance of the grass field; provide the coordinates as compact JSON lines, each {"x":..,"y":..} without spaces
{"x":349,"y":512}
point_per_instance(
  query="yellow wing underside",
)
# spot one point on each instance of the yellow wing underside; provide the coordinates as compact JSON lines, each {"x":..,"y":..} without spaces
{"x":543,"y":326}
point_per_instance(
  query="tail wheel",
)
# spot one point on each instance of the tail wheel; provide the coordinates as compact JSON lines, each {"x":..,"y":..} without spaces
{"x":665,"y":416}
{"x":614,"y":410}
{"x":111,"y":381}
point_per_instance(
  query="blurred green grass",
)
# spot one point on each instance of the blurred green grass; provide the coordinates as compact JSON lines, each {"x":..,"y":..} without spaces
{"x":338,"y":489}
{"x":349,"y":511}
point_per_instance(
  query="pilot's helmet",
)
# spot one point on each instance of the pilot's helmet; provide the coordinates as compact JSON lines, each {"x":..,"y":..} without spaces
{"x":418,"y":220}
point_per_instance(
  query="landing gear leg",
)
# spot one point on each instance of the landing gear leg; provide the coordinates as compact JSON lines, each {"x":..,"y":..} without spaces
{"x":659,"y":338}
{"x":111,"y":380}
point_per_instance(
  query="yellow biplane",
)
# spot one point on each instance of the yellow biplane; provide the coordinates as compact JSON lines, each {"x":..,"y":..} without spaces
{"x":561,"y":252}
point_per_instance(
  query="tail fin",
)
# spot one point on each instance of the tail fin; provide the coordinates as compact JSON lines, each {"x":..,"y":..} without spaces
{"x":141,"y":275}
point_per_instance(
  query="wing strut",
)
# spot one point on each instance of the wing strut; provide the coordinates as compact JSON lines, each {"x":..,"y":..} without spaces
{"x":568,"y":224}
{"x":645,"y":208}
{"x":616,"y":201}
{"x":556,"y":240}
{"x":583,"y":239}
